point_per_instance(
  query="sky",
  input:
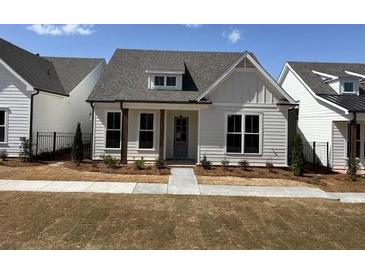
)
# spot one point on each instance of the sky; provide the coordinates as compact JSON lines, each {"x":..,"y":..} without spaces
{"x":272,"y":44}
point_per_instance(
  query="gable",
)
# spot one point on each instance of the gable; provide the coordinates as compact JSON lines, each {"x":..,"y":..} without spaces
{"x":244,"y":86}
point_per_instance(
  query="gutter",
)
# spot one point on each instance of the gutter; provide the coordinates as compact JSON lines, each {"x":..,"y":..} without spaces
{"x":153,"y":102}
{"x":31,"y":116}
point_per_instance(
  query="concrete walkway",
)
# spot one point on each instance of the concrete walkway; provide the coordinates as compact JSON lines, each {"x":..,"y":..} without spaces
{"x":181,"y":182}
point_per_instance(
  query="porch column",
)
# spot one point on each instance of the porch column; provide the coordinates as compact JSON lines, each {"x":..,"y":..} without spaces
{"x":353,"y":137}
{"x":124,"y":150}
{"x":162,"y":134}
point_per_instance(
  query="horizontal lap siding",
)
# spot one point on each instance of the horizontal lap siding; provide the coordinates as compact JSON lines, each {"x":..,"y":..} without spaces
{"x":16,"y":99}
{"x":274,"y":142}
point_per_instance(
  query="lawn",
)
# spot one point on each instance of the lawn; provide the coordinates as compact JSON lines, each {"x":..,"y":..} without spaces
{"x":322,"y":178}
{"x":106,"y":221}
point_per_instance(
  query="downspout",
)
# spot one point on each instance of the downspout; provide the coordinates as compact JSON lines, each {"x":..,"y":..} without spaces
{"x":92,"y":130}
{"x":31,"y":118}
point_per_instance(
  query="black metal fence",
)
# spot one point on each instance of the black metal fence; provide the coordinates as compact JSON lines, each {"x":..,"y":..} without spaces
{"x":58,"y":144}
{"x":316,"y":153}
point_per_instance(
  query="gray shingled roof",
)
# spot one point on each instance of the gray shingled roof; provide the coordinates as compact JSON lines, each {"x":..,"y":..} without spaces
{"x":304,"y":70}
{"x":71,"y":71}
{"x":352,"y":103}
{"x":125,"y":78}
{"x":51,"y":74}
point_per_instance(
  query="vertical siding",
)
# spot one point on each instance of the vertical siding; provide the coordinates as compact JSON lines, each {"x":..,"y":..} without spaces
{"x":16,"y":100}
{"x":274,"y":142}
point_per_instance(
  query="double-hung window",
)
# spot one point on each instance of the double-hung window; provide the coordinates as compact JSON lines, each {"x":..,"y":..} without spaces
{"x":358,"y":140}
{"x":146,"y":131}
{"x":113,"y":130}
{"x":243,"y":134}
{"x":2,"y":126}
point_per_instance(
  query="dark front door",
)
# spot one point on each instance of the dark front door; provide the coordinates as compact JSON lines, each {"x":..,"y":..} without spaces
{"x":181,"y":137}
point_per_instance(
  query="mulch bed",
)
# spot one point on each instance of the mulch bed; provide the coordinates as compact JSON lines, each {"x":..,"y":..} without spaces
{"x":93,"y":166}
{"x":20,"y":163}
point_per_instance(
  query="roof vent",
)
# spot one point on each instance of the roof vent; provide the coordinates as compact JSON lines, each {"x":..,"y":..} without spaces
{"x":37,"y":54}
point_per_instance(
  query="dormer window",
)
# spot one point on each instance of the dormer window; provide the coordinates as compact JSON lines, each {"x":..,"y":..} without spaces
{"x":348,"y":87}
{"x":171,"y":81}
{"x":159,"y":81}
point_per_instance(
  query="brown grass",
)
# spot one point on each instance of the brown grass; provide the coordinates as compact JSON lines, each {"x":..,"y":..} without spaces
{"x":104,"y":221}
{"x":328,"y":181}
{"x":61,"y":173}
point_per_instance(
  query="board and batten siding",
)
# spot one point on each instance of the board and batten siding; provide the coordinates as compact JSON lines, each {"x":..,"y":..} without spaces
{"x":247,"y":92}
{"x":315,"y":117}
{"x":134,"y":153}
{"x":15,"y":100}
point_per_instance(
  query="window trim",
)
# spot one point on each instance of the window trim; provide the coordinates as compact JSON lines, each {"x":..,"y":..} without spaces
{"x":6,"y":124}
{"x":106,"y":129}
{"x":353,"y":87}
{"x":243,"y":120}
{"x":153,"y":131}
{"x":361,"y":141}
{"x":165,"y":81}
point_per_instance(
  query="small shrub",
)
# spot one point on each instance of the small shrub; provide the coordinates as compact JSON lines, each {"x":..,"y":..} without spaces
{"x":140,"y":164}
{"x":353,"y":166}
{"x":269,"y":165}
{"x":77,"y":151}
{"x":160,"y":163}
{"x":25,"y":153}
{"x":110,"y":161}
{"x":2,"y":163}
{"x":205,"y":163}
{"x":3,"y":155}
{"x":225,"y":163}
{"x":244,"y":164}
{"x":296,"y":157}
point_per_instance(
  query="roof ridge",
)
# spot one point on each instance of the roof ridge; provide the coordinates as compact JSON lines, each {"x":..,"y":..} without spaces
{"x":182,"y":51}
{"x":328,"y":62}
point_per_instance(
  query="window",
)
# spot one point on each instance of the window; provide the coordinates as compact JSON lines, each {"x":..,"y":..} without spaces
{"x":234,"y":134}
{"x":252,"y":134}
{"x":146,"y":131}
{"x":159,"y":81}
{"x":2,"y":126}
{"x":348,"y":87}
{"x":113,"y":130}
{"x":243,"y":134}
{"x":171,"y":81}
{"x":358,"y":140}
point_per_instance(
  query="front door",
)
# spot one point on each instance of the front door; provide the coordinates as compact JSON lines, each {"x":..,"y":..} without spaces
{"x":181,"y":137}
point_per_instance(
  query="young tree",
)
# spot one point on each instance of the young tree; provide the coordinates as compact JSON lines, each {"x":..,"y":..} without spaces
{"x":296,"y":157}
{"x":77,"y":146}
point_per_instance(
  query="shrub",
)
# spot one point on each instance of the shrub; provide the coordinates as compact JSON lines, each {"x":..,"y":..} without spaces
{"x":353,"y":166}
{"x":225,"y":163}
{"x":25,"y":153}
{"x":110,"y":161}
{"x":296,"y":157}
{"x":140,"y":164}
{"x":205,"y":163}
{"x":244,"y":164}
{"x":3,"y":155}
{"x":160,"y":163}
{"x":77,"y":150}
{"x":269,"y":165}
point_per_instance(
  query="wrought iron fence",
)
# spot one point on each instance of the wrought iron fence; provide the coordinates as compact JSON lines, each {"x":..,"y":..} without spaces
{"x":58,"y":144}
{"x":316,"y":153}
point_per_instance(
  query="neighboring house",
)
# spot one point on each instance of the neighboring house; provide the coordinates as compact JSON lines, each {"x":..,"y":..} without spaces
{"x":187,"y":105}
{"x":330,"y":96}
{"x":43,"y":94}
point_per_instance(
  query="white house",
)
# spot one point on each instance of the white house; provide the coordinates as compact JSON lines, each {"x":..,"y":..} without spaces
{"x":331,"y":96}
{"x":43,"y":94}
{"x":183,"y":105}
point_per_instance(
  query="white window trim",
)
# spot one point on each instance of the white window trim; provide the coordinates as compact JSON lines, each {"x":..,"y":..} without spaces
{"x":139,"y":130}
{"x":6,"y":124}
{"x":243,"y":120}
{"x":165,"y":81}
{"x":353,"y":87}
{"x":106,"y":129}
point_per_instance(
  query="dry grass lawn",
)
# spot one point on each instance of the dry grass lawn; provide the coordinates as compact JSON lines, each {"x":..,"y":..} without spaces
{"x":328,"y":181}
{"x":61,"y":173}
{"x":105,"y":221}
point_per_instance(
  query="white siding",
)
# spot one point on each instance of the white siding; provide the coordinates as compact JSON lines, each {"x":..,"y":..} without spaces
{"x":315,"y":117}
{"x":15,"y":99}
{"x":59,"y":113}
{"x":134,"y":153}
{"x":274,"y":143}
